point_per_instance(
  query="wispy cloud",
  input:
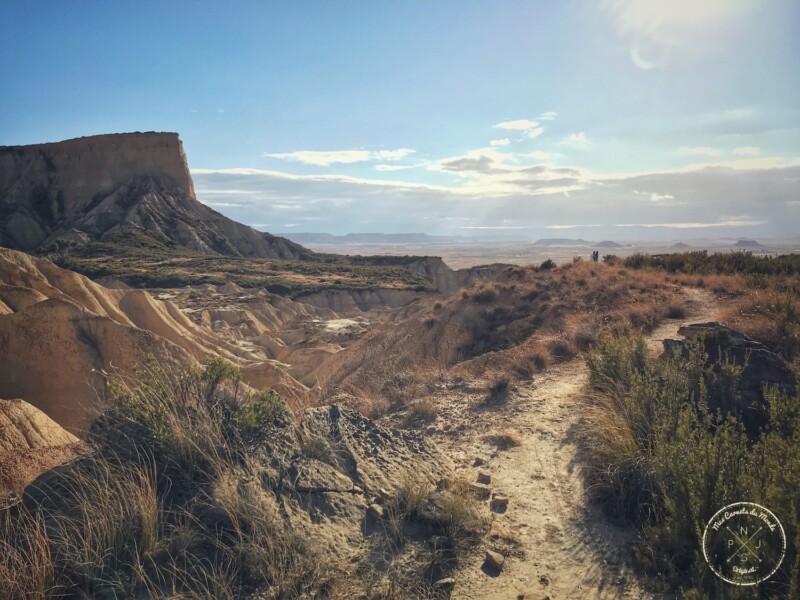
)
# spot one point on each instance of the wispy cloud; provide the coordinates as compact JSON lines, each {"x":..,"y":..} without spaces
{"x":699,"y":151}
{"x":517,"y":124}
{"x":577,"y":139}
{"x":500,"y":142}
{"x":398,"y":154}
{"x":492,"y":227}
{"x":655,"y":196}
{"x":505,"y":191}
{"x":746,"y":151}
{"x":550,"y":115}
{"x":385,"y":167}
{"x":535,"y":132}
{"x":529,"y":127}
{"x":732,"y":222}
{"x":324,"y":158}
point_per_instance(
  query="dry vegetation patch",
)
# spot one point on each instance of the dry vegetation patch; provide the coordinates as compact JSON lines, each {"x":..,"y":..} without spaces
{"x":514,"y":325}
{"x":198,"y":488}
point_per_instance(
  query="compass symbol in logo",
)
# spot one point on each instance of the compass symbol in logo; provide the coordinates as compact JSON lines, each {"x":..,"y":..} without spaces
{"x":744,"y":543}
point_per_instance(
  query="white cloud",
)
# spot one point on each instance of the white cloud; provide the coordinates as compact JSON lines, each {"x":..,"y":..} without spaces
{"x":740,"y":113}
{"x":398,"y":154}
{"x":746,"y":151}
{"x":539,"y":155}
{"x":550,"y":115}
{"x":730,"y":222}
{"x":500,"y":142}
{"x":324,"y":158}
{"x":518,"y":124}
{"x":535,"y":132}
{"x":226,"y":204}
{"x":655,"y":196}
{"x":699,"y":151}
{"x":492,"y":227}
{"x":577,"y":139}
{"x":731,"y":198}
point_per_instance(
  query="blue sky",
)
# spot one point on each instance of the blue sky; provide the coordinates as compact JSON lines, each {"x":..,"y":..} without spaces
{"x":615,"y":118}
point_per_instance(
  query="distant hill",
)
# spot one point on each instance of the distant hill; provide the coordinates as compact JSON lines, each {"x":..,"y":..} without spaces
{"x":680,"y":246}
{"x":128,"y":189}
{"x":747,"y":244}
{"x":608,"y":244}
{"x":367,"y":238}
{"x":561,"y":242}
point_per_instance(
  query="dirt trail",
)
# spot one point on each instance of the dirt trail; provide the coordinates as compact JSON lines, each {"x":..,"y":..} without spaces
{"x":558,"y":545}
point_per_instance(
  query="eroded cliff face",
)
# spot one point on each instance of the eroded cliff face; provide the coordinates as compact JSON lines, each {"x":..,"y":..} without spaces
{"x":446,"y":279}
{"x":59,"y":332}
{"x":112,"y":188}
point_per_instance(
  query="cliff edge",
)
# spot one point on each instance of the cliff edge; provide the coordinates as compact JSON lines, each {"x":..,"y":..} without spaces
{"x":118,"y":188}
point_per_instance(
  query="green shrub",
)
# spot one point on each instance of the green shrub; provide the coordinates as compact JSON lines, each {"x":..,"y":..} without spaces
{"x":658,"y":456}
{"x":719,"y":263}
{"x":547,"y":264}
{"x":259,"y":412}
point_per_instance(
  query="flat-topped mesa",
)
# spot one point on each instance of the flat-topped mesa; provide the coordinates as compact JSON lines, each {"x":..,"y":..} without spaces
{"x":116,"y":187}
{"x":94,"y":164}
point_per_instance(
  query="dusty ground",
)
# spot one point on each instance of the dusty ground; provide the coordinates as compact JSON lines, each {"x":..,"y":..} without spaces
{"x":557,"y":545}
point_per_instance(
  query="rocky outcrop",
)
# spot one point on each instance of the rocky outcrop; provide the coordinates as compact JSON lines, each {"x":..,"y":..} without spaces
{"x":447,"y":280}
{"x":760,"y":369}
{"x":324,"y":470}
{"x":30,"y":443}
{"x":116,"y":188}
{"x":22,"y":427}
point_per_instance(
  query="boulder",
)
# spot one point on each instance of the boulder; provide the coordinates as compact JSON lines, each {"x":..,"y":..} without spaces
{"x":760,"y":369}
{"x":494,"y":560}
{"x":446,"y":585}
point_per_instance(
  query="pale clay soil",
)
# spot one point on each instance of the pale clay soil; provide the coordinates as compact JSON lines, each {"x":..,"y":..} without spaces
{"x":557,"y":544}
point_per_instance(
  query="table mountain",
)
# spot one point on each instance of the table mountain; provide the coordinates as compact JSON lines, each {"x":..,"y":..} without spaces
{"x":128,"y":188}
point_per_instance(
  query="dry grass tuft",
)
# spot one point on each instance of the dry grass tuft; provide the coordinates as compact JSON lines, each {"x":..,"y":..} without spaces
{"x":424,"y":409}
{"x":505,"y":440}
{"x":169,"y":504}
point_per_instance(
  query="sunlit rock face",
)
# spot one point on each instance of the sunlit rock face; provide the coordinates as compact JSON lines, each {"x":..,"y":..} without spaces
{"x":116,"y":188}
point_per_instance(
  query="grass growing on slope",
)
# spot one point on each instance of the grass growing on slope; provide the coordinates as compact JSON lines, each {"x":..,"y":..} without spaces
{"x":659,"y":457}
{"x":169,"y":504}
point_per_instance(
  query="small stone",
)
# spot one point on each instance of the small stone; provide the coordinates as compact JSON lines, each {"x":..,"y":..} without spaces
{"x":478,"y":462}
{"x":480,"y":489}
{"x":375,"y":511}
{"x":495,"y":560}
{"x":484,"y":477}
{"x":446,"y":584}
{"x":499,"y":502}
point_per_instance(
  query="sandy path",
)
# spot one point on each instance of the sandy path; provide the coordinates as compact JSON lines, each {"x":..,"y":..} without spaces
{"x":558,"y":545}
